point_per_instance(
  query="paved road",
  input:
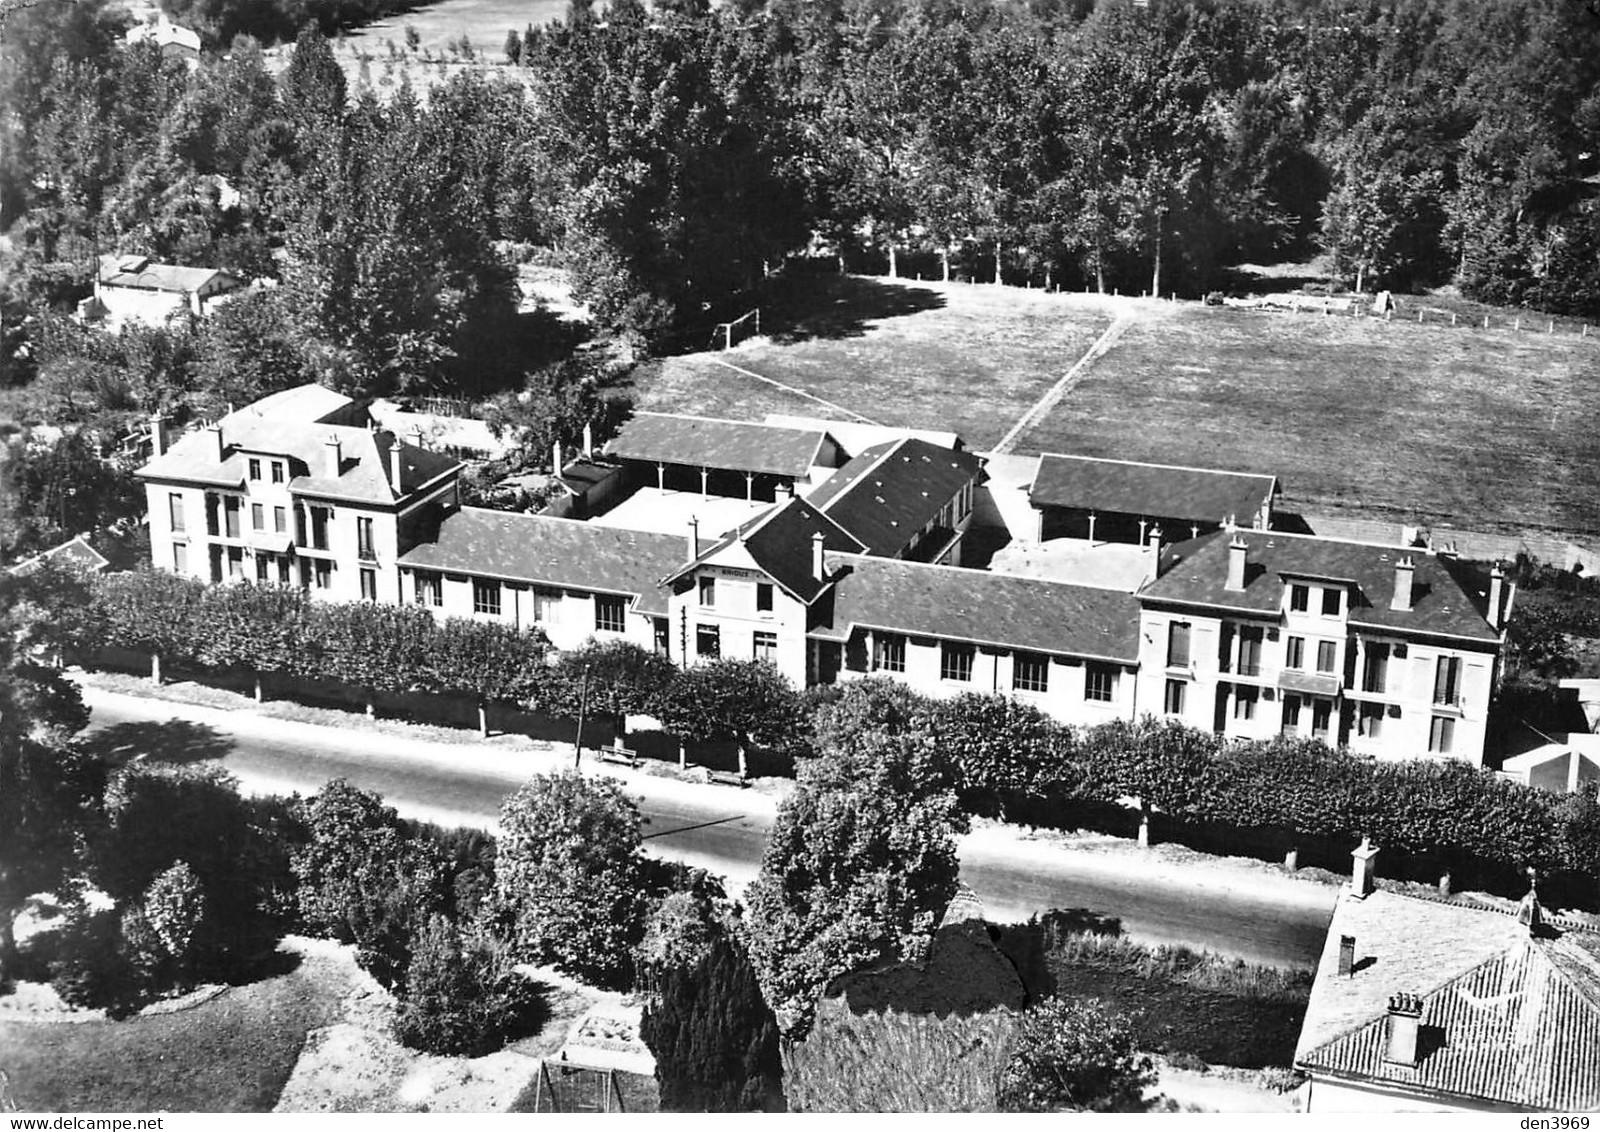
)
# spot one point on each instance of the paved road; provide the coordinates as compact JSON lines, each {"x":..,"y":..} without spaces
{"x":1260,"y":918}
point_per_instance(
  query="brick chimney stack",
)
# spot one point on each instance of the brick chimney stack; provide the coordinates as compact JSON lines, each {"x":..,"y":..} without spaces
{"x":222,"y":449}
{"x":335,"y":457}
{"x":818,"y":570}
{"x":397,"y":465}
{"x":1361,"y":869}
{"x":1404,"y":1021}
{"x":158,"y":434}
{"x":1237,"y":549}
{"x":1404,"y":571}
{"x":1497,"y":582}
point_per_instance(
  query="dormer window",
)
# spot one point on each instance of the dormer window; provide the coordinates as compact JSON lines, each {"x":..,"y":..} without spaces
{"x":1332,"y":602}
{"x":1299,"y":598}
{"x":255,"y":468}
{"x":277,"y":471}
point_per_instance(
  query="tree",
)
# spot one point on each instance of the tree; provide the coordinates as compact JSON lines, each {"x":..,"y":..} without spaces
{"x":463,"y":995}
{"x":1003,"y":751}
{"x":246,"y":350}
{"x":569,"y":878}
{"x":1076,"y":1056}
{"x":616,"y":678}
{"x":860,"y":864}
{"x":555,"y":404}
{"x":749,"y":701}
{"x":714,"y":1039}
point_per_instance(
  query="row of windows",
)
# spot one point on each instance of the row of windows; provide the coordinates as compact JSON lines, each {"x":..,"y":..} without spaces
{"x":708,"y":594}
{"x":223,"y":519}
{"x":1030,"y":672}
{"x":1332,"y":600}
{"x":708,"y":643}
{"x":1369,"y":719}
{"x":276,"y":469}
{"x":488,"y":597}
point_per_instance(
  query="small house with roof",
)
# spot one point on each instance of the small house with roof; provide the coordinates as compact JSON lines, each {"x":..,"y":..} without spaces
{"x":131,"y":288}
{"x":1439,"y":1005}
{"x":75,"y":553}
{"x":1082,"y":497}
{"x":1260,"y":633}
{"x":710,"y":456}
{"x":905,"y":498}
{"x":172,"y":41}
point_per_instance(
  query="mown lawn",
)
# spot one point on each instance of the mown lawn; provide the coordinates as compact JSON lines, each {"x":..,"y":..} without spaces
{"x":231,"y":1054}
{"x":1488,"y":430}
{"x":961,"y":357}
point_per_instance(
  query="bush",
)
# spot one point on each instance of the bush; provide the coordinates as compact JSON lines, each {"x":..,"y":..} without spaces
{"x":1076,"y":1056}
{"x":91,"y":966}
{"x":163,"y":933}
{"x":462,"y":997}
{"x":569,"y":881}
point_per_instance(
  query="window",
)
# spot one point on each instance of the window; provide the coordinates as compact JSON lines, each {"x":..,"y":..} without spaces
{"x":708,"y":640}
{"x":1295,"y":653}
{"x":180,"y":558}
{"x":428,"y":588}
{"x":319,"y":526}
{"x":323,"y":573}
{"x":277,"y":471}
{"x":889,"y":653}
{"x":283,"y":569}
{"x":1250,"y":639}
{"x":1178,"y":645}
{"x":1447,"y":681}
{"x":280,"y":519}
{"x":369,"y":584}
{"x":1375,"y":669}
{"x":1099,"y":683}
{"x":231,"y":507}
{"x":1244,"y":703}
{"x":708,"y":591}
{"x":766,"y":646}
{"x":175,"y":513}
{"x":235,"y":562}
{"x":255,"y":469}
{"x":763,"y":597}
{"x":263,"y":563}
{"x":955,"y":662}
{"x":258,"y":517}
{"x":1321,"y":717}
{"x":1299,"y":598}
{"x":364,"y":539}
{"x":1291,"y":715}
{"x":1327,"y":654}
{"x":485,"y":597}
{"x":1441,"y":735}
{"x":610,"y":613}
{"x":1172,"y":704}
{"x":213,"y":505}
{"x":1030,"y":672}
{"x":547,"y":606}
{"x":1331,"y":601}
{"x":1369,"y":721}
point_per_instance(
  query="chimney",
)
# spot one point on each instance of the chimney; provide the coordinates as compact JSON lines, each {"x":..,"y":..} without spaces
{"x":158,"y":434}
{"x":1403,"y":571}
{"x":1405,"y":1019}
{"x":1237,"y":549}
{"x":1347,"y":955}
{"x":1155,"y":539}
{"x":397,"y":464}
{"x":555,"y":457}
{"x":588,"y":439}
{"x":222,"y":449}
{"x":818,"y":570}
{"x":335,"y":456}
{"x":415,"y":436}
{"x":1361,"y":871}
{"x":784,"y":490}
{"x":694,"y":538}
{"x":1497,"y":581}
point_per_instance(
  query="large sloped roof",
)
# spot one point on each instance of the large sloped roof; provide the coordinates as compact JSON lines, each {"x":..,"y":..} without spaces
{"x":779,"y":540}
{"x":885,"y":495}
{"x":1507,"y":1018}
{"x":1195,"y":572}
{"x":565,"y":553}
{"x":982,"y":607}
{"x":135,"y":271}
{"x":708,"y":442}
{"x":1153,"y":490}
{"x":304,"y":404}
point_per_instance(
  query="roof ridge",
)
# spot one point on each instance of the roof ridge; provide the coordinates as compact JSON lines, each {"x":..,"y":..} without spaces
{"x":971,"y":570}
{"x":732,"y":421}
{"x":861,"y":477}
{"x":1150,"y":464}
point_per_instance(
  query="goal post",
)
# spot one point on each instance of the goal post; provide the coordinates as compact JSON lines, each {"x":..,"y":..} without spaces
{"x":732,"y":333}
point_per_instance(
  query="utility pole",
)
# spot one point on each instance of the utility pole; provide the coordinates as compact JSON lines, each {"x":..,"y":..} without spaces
{"x":583,"y":706}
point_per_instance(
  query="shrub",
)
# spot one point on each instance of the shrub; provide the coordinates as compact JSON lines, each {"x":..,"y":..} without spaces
{"x":1077,"y":1056}
{"x":569,"y":879}
{"x":462,"y":997}
{"x":91,"y":967}
{"x":164,"y":931}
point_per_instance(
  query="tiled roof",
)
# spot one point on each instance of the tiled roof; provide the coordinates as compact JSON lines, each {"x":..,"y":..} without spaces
{"x":779,"y":540}
{"x":1154,"y":490}
{"x":304,"y":404}
{"x":982,"y":607}
{"x":1195,"y":572}
{"x":855,"y":436}
{"x":75,"y":551}
{"x":364,"y":458}
{"x":1520,"y":1028}
{"x":555,"y":552}
{"x":889,"y":492}
{"x":711,"y":443}
{"x":157,"y":276}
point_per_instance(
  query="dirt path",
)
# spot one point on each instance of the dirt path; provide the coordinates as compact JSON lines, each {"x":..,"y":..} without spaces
{"x":1042,"y":407}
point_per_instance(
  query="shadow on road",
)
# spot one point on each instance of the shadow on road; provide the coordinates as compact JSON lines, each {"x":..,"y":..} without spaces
{"x":167,"y":741}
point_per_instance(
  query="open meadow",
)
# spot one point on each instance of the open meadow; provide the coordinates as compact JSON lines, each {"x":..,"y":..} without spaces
{"x":1491,"y":430}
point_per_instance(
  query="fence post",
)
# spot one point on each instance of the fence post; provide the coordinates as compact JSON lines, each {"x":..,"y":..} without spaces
{"x":1486,"y":322}
{"x":1452,"y":318}
{"x":1552,"y":329}
{"x":1518,"y":325}
{"x":1419,"y":316}
{"x":1586,"y":330}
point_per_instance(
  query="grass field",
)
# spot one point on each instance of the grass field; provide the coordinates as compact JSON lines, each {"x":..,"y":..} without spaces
{"x":968,"y":358}
{"x":1484,"y":430}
